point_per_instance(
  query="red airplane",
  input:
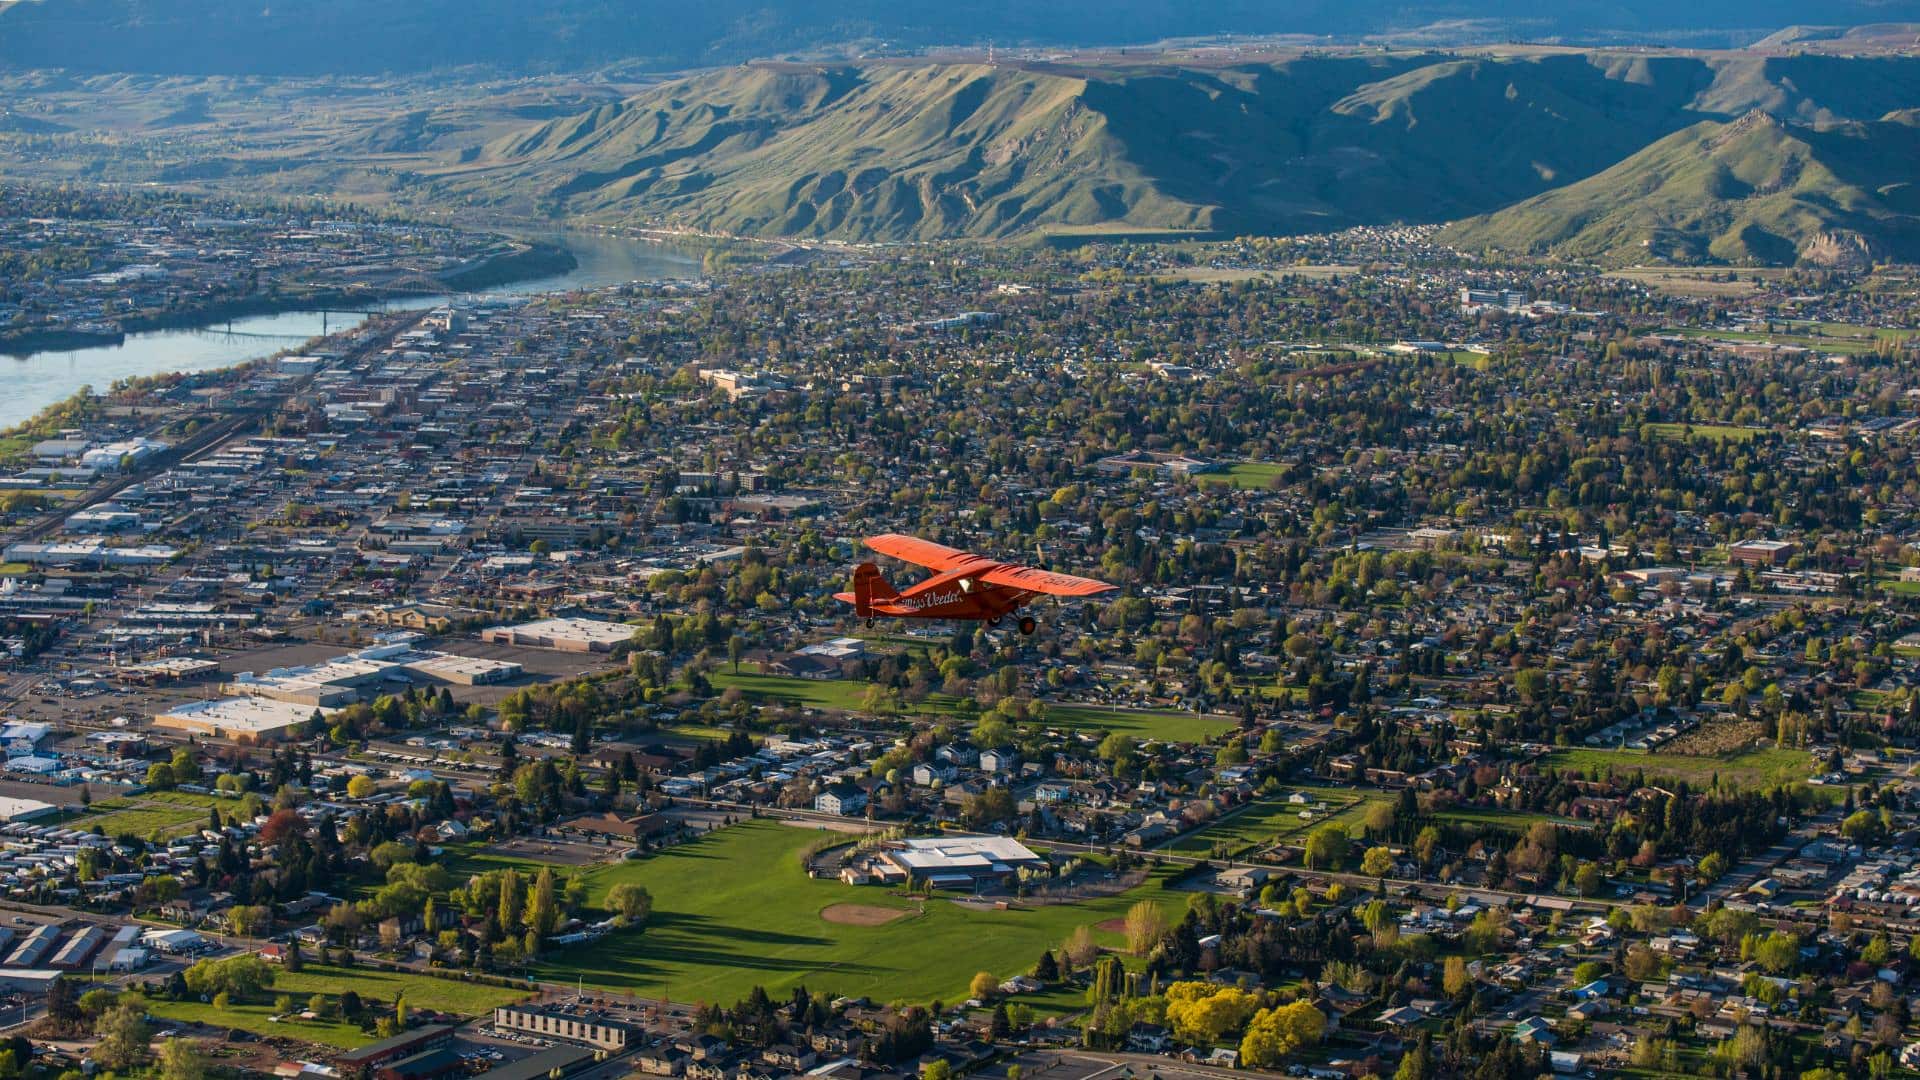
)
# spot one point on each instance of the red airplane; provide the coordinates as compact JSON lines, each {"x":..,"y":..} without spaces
{"x":969,"y":587}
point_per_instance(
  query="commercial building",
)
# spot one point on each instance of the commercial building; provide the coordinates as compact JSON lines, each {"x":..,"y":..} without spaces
{"x":1760,"y":552}
{"x":574,"y":1025}
{"x":949,"y":862}
{"x":12,"y":809}
{"x":404,"y":1045}
{"x":342,"y":680}
{"x":242,"y":719}
{"x":566,"y":635}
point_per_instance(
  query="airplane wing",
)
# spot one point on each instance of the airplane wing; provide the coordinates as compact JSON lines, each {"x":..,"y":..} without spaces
{"x":924,"y":552}
{"x":1034,"y":579}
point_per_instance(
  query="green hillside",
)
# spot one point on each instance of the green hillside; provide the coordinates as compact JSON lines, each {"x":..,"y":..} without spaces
{"x":896,"y":151}
{"x":1753,"y":191}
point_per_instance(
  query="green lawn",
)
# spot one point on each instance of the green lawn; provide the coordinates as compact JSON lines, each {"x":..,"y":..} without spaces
{"x":1826,"y":337}
{"x":733,"y":909}
{"x":335,"y":1033}
{"x":1250,"y":475}
{"x":1255,"y":825}
{"x":147,"y":821}
{"x":1139,"y":723}
{"x":1715,"y":432}
{"x":421,"y":991}
{"x":839,"y":694}
{"x":1762,"y":767}
{"x":1515,"y":820}
{"x":846,"y":696}
{"x":467,"y":859}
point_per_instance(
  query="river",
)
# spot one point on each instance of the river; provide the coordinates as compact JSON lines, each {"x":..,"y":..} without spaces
{"x":32,"y":382}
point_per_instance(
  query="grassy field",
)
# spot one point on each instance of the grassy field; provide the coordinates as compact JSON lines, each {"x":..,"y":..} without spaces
{"x":845,"y":696}
{"x":1845,"y":338}
{"x":1247,"y":475}
{"x":1762,"y":767}
{"x":148,"y":821}
{"x":837,"y":694}
{"x":1514,"y":820}
{"x":1715,"y":432}
{"x":335,"y":1033}
{"x":1255,"y":825}
{"x":1268,"y":821}
{"x":1680,"y":282}
{"x":1139,"y":723}
{"x":421,"y":991}
{"x":733,"y":909}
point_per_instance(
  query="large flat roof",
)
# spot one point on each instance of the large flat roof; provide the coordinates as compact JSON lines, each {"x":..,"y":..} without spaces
{"x":961,"y":853}
{"x":248,"y":715}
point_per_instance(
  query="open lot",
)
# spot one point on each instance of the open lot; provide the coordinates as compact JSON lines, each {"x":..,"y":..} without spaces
{"x":733,"y":909}
{"x":1761,"y":767}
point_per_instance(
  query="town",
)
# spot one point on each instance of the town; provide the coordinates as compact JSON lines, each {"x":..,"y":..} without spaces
{"x":1513,"y":672}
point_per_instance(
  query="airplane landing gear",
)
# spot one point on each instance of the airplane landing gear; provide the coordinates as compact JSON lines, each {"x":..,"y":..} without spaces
{"x":870,"y":623}
{"x":1027,"y":625}
{"x":994,"y":622}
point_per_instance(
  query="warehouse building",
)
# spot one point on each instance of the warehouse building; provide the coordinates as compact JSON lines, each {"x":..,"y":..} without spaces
{"x":566,"y":635}
{"x":242,"y":719}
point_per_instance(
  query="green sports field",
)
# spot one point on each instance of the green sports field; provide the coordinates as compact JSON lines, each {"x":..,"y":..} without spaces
{"x":734,"y":908}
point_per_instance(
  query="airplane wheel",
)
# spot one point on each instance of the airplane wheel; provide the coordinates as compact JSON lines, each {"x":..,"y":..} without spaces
{"x":870,"y":623}
{"x":1027,"y":625}
{"x":995,"y":621}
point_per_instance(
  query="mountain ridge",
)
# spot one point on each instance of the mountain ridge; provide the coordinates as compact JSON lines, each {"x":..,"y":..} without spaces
{"x":901,"y":151}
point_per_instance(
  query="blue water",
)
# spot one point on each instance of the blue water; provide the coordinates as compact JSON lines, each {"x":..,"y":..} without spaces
{"x":30,"y":383}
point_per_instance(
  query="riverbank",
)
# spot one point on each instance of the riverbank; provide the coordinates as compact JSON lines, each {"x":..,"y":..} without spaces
{"x":526,"y":263}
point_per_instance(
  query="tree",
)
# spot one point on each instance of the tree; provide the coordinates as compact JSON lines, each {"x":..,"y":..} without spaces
{"x":983,"y":986}
{"x":1273,"y":1034}
{"x":1454,"y":977}
{"x":360,"y":786}
{"x":937,"y":1069}
{"x":632,"y":902}
{"x":160,"y":776}
{"x":63,"y":1001}
{"x":544,"y":913}
{"x":1377,"y":862}
{"x":247,"y":920}
{"x":1202,"y":1014}
{"x":1146,"y":925}
{"x":123,"y":1035}
{"x":181,"y":1059}
{"x":1327,"y":847}
{"x":1080,"y":948}
{"x":1778,"y":952}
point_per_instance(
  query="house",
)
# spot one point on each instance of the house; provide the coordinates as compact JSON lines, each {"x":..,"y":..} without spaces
{"x":928,"y":773}
{"x":1148,"y":1039}
{"x":665,"y":1061}
{"x":999,"y":760}
{"x":1400,"y":1017}
{"x":1534,"y":1029}
{"x":843,"y":799}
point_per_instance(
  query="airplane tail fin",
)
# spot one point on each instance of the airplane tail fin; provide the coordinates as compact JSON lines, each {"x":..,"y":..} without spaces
{"x":869,"y":586}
